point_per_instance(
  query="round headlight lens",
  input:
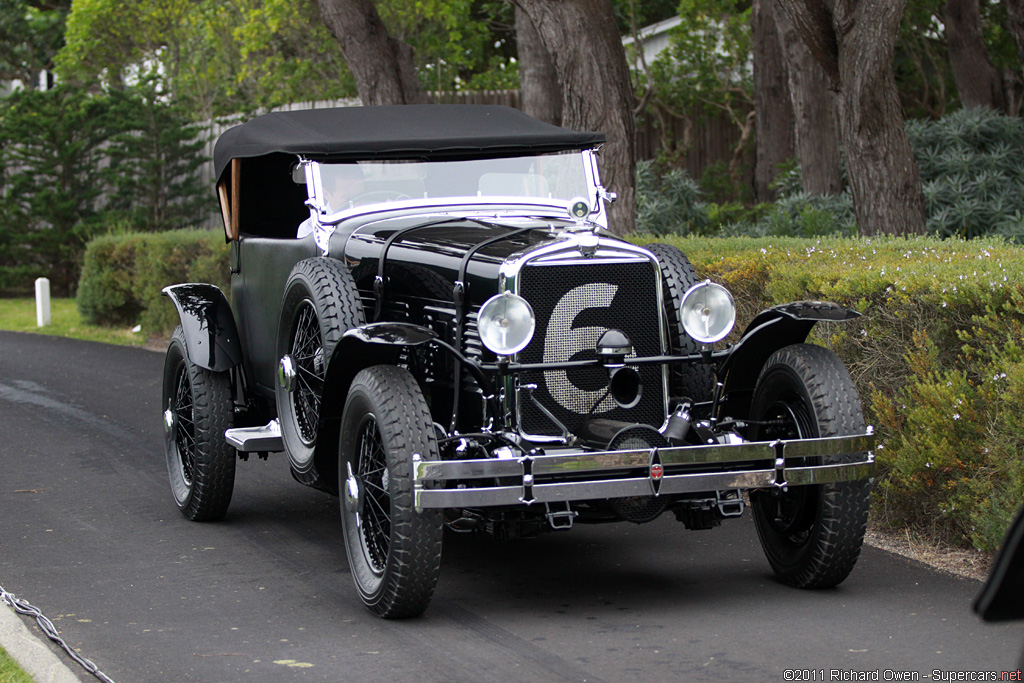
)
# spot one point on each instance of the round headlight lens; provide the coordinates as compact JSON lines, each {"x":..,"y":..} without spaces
{"x":506,"y":323}
{"x":708,"y":312}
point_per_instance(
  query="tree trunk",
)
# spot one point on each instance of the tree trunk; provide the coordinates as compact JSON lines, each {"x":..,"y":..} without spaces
{"x":583,"y":40}
{"x":1015,"y":9}
{"x":772,"y":107}
{"x":977,"y":81}
{"x":538,"y":79}
{"x":382,"y":66}
{"x":854,"y":45}
{"x":814,"y":110}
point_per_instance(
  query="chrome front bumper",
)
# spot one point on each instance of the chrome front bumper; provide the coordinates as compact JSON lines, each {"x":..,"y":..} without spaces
{"x":592,"y":475}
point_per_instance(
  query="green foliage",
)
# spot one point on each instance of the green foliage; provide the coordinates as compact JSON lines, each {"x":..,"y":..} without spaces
{"x":937,"y":358}
{"x":668,"y":202}
{"x":50,"y":147}
{"x":223,"y":58}
{"x":707,"y":64}
{"x":30,"y":36}
{"x":73,"y":163}
{"x":189,"y":46}
{"x":454,"y":40}
{"x":154,"y":161}
{"x":806,"y":215}
{"x":921,"y":60}
{"x":286,"y":54}
{"x":921,"y":63}
{"x":19,"y":315}
{"x":633,"y":14}
{"x":972,"y":168}
{"x":123,"y":275}
{"x":10,"y":672}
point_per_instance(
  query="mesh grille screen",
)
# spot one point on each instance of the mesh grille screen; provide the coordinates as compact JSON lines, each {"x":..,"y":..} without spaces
{"x":574,"y":305}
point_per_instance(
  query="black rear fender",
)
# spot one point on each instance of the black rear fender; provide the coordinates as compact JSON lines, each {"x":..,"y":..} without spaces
{"x":211,"y":338}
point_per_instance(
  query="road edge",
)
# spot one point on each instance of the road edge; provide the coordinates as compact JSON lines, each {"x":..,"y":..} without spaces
{"x":30,"y":651}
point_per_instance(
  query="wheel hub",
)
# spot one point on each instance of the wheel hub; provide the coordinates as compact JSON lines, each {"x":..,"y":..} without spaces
{"x":170,"y":419}
{"x":286,"y":373}
{"x":353,"y":493}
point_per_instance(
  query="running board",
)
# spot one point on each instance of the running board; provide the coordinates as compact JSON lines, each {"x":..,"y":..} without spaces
{"x":256,"y":439}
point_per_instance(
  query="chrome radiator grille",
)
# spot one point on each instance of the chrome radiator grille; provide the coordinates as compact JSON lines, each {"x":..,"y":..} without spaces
{"x":574,"y":305}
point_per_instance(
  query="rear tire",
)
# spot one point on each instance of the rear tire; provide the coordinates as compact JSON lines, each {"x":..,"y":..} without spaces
{"x":811,"y":535}
{"x":393,"y":551}
{"x":200,"y":461}
{"x":320,"y":303}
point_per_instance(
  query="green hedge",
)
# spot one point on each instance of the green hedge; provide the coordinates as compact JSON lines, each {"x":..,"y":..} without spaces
{"x":937,"y":356}
{"x":938,"y":359}
{"x":123,"y":275}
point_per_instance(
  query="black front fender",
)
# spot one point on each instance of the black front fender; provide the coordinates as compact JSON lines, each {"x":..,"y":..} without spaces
{"x":361,"y":347}
{"x":211,"y":338}
{"x":770,"y":331}
{"x":358,"y":348}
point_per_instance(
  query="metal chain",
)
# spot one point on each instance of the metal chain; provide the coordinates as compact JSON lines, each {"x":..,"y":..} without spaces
{"x":22,"y":607}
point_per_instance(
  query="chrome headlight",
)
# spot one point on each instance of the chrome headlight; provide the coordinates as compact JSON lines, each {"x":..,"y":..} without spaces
{"x":708,"y":312}
{"x":506,"y":323}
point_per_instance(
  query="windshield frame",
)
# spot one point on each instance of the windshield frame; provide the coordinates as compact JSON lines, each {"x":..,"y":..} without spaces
{"x":584,"y":184}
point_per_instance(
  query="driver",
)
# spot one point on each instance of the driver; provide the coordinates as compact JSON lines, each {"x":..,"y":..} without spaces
{"x":343,"y":183}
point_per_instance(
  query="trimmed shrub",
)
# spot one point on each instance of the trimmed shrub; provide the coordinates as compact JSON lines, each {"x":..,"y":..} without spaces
{"x":937,"y":357}
{"x":123,"y":275}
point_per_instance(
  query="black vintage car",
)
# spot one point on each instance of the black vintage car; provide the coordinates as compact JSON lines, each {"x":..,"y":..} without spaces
{"x":429,"y":317}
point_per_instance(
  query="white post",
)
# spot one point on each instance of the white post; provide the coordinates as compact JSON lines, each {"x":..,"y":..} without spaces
{"x":42,"y":302}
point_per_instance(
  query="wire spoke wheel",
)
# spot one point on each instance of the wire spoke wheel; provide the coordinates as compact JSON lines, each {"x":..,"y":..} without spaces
{"x":320,"y":304}
{"x":308,"y":355}
{"x":394,"y":551}
{"x":376,"y":519}
{"x":811,"y":535}
{"x":199,"y":407}
{"x":184,"y":428}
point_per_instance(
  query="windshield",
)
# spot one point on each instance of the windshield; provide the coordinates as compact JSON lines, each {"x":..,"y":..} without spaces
{"x":550,"y":178}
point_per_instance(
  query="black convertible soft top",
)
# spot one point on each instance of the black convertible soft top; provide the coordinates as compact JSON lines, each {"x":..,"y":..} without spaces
{"x":422,"y":131}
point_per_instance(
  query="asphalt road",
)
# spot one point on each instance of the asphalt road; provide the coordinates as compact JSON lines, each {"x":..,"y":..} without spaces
{"x":90,"y":535}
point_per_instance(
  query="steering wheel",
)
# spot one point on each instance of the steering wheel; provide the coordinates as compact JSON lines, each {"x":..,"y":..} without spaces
{"x":378,"y":196}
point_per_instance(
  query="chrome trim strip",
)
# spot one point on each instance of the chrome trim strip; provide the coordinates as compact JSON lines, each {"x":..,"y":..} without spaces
{"x":828,"y":445}
{"x":591,"y":462}
{"x":467,"y":469}
{"x":482,"y":497}
{"x":829,"y":474}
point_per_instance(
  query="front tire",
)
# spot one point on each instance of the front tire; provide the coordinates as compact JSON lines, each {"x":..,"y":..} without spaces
{"x":393,"y":551}
{"x":811,"y":535}
{"x":199,"y":408}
